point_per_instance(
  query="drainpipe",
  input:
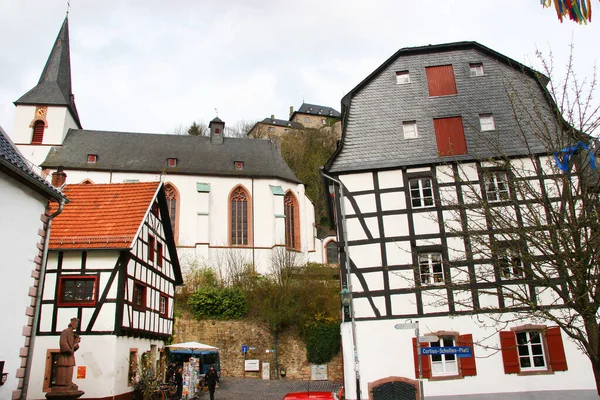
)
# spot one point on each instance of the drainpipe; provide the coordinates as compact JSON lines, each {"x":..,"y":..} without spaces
{"x":348,"y":279}
{"x":38,"y":300}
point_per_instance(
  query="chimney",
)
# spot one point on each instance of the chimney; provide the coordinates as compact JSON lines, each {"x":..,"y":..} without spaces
{"x":272,"y":116}
{"x":291,"y":111}
{"x":217,"y":128}
{"x":59,"y":178}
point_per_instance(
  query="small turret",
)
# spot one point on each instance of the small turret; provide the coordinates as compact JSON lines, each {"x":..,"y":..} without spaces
{"x":216,"y":127}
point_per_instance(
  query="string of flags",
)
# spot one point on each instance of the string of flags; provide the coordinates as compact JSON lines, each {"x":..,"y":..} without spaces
{"x":579,"y":11}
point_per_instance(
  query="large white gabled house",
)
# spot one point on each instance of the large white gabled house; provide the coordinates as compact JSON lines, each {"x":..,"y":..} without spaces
{"x":227,"y":196}
{"x":112,"y":264}
{"x":421,"y":134}
{"x":25,"y":224}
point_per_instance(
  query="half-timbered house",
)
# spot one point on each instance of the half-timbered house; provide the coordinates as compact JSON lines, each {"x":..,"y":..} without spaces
{"x":420,"y":136}
{"x":112,"y":264}
{"x":25,"y":224}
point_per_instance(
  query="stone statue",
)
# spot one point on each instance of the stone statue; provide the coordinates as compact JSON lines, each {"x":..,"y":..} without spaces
{"x":69,"y":344}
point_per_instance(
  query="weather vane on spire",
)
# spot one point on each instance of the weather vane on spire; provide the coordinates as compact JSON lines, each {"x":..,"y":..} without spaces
{"x":217,"y":111}
{"x":68,"y":6}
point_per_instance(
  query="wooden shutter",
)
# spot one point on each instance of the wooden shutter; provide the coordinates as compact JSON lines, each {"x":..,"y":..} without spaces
{"x":425,"y":361}
{"x":441,"y":80}
{"x":510,"y":356}
{"x":558,"y":361}
{"x":450,"y":136}
{"x":38,"y":132}
{"x":467,"y":364}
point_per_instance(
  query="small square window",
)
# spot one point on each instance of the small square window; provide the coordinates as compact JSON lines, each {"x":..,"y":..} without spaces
{"x":164,"y":305}
{"x":476,"y":69}
{"x":402,"y":77}
{"x":421,"y":192}
{"x":487,"y":123}
{"x":217,"y":131}
{"x":92,"y":158}
{"x":410,"y":129}
{"x":239,"y":165}
{"x":172,"y":162}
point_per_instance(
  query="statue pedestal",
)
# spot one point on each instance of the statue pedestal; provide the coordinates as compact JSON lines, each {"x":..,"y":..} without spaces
{"x":64,"y":394}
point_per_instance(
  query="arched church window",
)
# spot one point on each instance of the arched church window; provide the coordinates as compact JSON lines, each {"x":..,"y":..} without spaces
{"x":38,"y":132}
{"x":173,"y":205}
{"x":292,"y":227}
{"x":332,"y":252}
{"x":240,"y":217}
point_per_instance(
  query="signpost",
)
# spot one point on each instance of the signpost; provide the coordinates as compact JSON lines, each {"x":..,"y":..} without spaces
{"x":244,"y":349}
{"x":415,"y":326}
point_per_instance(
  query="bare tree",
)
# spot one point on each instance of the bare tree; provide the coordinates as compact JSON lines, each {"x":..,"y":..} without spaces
{"x":240,"y":129}
{"x":527,"y":227}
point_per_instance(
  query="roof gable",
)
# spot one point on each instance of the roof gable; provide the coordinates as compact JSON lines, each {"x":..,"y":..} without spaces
{"x":315,"y":109}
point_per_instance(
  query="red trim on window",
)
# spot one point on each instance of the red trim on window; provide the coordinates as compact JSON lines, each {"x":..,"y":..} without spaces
{"x":468,"y":366}
{"x":141,"y":286}
{"x":151,"y":241}
{"x":441,"y":80}
{"x":38,"y":132}
{"x":159,"y":254}
{"x":61,"y":283}
{"x":166,"y":313}
{"x":510,"y":356}
{"x":425,"y":361}
{"x":556,"y":350}
{"x":450,"y":136}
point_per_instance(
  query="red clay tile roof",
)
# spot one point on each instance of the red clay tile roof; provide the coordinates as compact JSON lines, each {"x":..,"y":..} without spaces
{"x":101,"y":216}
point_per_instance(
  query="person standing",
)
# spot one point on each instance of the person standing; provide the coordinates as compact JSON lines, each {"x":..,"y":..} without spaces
{"x":211,"y":378}
{"x":179,"y":382}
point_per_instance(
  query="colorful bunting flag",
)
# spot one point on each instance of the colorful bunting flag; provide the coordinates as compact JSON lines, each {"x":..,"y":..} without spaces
{"x":579,"y":11}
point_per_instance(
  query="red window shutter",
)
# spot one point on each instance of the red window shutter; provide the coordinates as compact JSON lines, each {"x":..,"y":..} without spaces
{"x":38,"y":132}
{"x":450,"y":136}
{"x":467,"y":364}
{"x":425,"y":361}
{"x":558,"y":361}
{"x":510,"y":356}
{"x":441,"y":80}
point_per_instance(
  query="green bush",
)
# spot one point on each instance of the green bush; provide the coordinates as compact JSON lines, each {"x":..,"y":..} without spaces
{"x":218,"y":303}
{"x":322,"y":342}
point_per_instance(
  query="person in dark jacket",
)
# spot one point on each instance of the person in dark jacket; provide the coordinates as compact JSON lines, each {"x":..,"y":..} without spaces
{"x":179,"y":382}
{"x":211,"y":378}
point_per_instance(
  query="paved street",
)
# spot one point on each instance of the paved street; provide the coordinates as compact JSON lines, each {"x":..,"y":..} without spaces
{"x":258,"y":389}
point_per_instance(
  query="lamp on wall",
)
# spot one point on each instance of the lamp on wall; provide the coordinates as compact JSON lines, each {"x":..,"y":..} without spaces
{"x":3,"y":375}
{"x":346,"y":297}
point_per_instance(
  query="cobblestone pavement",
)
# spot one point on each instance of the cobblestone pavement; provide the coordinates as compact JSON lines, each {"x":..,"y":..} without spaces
{"x":258,"y":389}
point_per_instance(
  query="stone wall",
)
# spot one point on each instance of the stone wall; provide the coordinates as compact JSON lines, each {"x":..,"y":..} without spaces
{"x":229,"y":336}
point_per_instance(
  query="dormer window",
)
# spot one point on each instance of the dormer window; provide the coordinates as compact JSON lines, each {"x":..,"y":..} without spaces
{"x":239,"y":165}
{"x":92,"y":158}
{"x":402,"y":77}
{"x":172,"y":162}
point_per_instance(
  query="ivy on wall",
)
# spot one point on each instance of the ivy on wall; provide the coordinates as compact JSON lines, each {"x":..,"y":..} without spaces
{"x":322,"y":342}
{"x":218,"y":303}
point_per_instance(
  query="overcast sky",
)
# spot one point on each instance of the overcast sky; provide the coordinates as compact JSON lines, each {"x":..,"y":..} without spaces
{"x":152,"y":65}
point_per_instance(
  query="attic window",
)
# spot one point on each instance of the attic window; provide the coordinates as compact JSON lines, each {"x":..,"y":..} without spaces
{"x":92,"y":158}
{"x":402,"y":77}
{"x":239,"y":165}
{"x":172,"y":162}
{"x":476,"y":69}
{"x":330,"y":112}
{"x":217,"y":131}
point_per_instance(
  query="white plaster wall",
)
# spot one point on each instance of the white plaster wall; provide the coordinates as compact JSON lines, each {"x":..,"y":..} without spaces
{"x":20,"y":221}
{"x":384,"y":351}
{"x":193,"y":238}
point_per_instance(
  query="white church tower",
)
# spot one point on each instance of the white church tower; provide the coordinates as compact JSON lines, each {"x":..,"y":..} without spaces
{"x":44,"y":114}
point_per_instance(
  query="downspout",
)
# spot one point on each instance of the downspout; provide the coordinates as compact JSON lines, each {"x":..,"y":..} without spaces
{"x":253,"y":246}
{"x":38,"y":300}
{"x":348,"y":280}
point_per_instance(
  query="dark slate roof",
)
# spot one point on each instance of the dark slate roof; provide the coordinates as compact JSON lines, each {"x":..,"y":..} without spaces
{"x":142,"y":152}
{"x":14,"y":164}
{"x":281,"y":122}
{"x":54,"y":86}
{"x":315,"y":109}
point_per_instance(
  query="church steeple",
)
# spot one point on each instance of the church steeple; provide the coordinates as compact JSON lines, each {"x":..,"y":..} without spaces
{"x":54,"y":86}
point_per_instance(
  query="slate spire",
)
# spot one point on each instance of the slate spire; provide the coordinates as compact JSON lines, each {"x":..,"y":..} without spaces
{"x":54,"y":86}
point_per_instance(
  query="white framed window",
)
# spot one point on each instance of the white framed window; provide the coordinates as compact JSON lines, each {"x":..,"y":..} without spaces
{"x":496,"y":186}
{"x":421,"y":192}
{"x":402,"y":77}
{"x":431,"y":269}
{"x":476,"y":69}
{"x":530,"y":347}
{"x":486,"y":122}
{"x":444,"y":364}
{"x":324,"y":121}
{"x":510,"y":263}
{"x":410,"y":129}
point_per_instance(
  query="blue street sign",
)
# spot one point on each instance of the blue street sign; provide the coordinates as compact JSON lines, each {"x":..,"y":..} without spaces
{"x":244,"y":349}
{"x":460,"y":351}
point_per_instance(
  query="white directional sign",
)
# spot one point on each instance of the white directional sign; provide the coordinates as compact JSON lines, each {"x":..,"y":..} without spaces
{"x":408,"y":325}
{"x":428,"y":338}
